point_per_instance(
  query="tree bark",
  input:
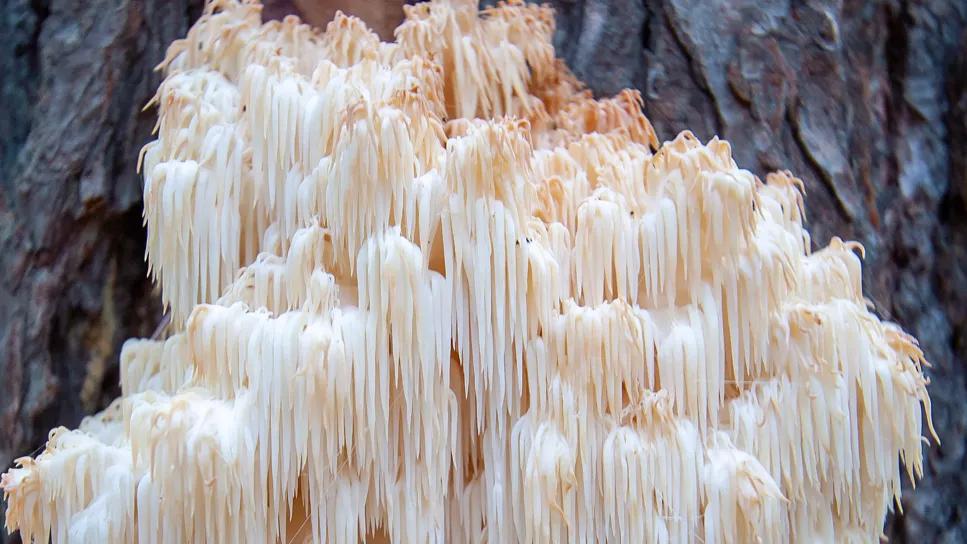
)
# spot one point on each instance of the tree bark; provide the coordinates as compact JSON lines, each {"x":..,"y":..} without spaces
{"x":75,"y":75}
{"x":866,"y":101}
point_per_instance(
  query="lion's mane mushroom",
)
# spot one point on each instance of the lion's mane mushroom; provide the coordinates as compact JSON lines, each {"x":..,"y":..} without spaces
{"x":432,"y":290}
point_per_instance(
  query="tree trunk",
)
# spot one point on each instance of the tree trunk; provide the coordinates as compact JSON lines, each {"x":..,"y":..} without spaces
{"x":866,"y":101}
{"x":74,"y":75}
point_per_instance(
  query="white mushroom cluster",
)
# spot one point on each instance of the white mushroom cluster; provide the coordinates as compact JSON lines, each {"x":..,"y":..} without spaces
{"x":433,"y":291}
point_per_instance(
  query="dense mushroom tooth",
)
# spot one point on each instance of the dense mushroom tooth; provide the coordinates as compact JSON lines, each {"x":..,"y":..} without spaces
{"x":491,"y":61}
{"x":433,"y":290}
{"x":100,"y":501}
{"x":619,"y":115}
{"x":348,"y":41}
{"x":743,"y":503}
{"x":140,"y":365}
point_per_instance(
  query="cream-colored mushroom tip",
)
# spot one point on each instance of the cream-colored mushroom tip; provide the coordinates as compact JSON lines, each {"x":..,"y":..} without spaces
{"x":433,"y":291}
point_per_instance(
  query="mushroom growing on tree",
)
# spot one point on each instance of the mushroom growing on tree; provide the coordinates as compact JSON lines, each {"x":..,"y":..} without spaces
{"x":433,"y":290}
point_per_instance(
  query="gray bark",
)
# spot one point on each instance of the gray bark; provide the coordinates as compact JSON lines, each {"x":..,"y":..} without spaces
{"x":866,"y":101}
{"x":74,"y":76}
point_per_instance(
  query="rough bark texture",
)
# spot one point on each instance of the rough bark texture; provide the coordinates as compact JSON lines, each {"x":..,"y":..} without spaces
{"x":74,"y":75}
{"x":866,"y":101}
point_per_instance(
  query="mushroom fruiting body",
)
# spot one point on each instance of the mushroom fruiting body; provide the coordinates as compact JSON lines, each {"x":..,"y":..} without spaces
{"x":432,"y":290}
